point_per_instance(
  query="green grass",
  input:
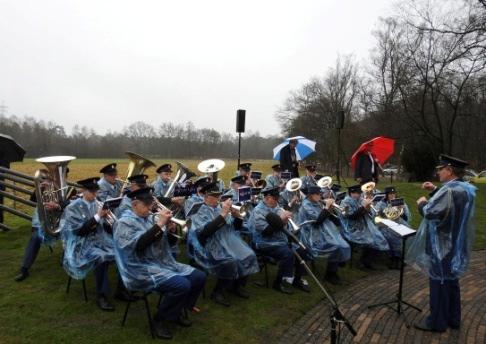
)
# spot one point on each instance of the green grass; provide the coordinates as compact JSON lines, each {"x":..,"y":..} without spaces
{"x":38,"y":310}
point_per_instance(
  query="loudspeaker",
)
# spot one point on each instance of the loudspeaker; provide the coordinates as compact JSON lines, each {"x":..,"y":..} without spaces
{"x":340,"y":120}
{"x":240,"y":121}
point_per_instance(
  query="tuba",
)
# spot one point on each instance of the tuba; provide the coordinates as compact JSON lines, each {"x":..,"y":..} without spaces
{"x":50,"y":185}
{"x":183,"y":173}
{"x":137,"y":165}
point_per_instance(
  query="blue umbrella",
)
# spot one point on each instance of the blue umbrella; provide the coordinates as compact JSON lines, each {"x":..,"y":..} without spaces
{"x":304,"y":148}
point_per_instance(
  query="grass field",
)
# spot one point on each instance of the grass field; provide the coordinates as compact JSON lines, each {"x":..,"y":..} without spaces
{"x":38,"y":310}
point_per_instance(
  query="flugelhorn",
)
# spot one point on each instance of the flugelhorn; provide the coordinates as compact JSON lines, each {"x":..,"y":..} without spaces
{"x":181,"y":223}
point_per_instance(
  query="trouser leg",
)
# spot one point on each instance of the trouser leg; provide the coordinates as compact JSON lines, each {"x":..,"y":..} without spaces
{"x":439,"y":305}
{"x":31,"y":250}
{"x":454,"y":303}
{"x":101,"y":279}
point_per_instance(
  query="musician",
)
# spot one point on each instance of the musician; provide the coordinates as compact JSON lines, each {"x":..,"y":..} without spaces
{"x":367,"y":166}
{"x":358,"y":225}
{"x":110,"y":187}
{"x":88,"y":241}
{"x":290,"y":200}
{"x":137,"y":182}
{"x":236,"y":183}
{"x":442,"y":246}
{"x":310,"y":176}
{"x":198,"y":196}
{"x":162,"y":185}
{"x":322,"y":237}
{"x":144,"y":258}
{"x":245,"y":172}
{"x":288,"y":159}
{"x":38,"y":237}
{"x":394,"y":240}
{"x":218,"y":248}
{"x":268,"y":223}
{"x":274,"y":179}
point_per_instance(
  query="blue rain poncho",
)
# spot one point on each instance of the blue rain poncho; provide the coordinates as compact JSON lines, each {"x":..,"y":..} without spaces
{"x":285,"y":198}
{"x":394,"y":240}
{"x":361,"y":231}
{"x":108,"y":190}
{"x":324,"y":239}
{"x":257,"y":224}
{"x":46,"y":239}
{"x":308,"y":181}
{"x":272,"y":181}
{"x":83,"y":253}
{"x":161,"y":187}
{"x":190,"y":202}
{"x":442,"y":246}
{"x":147,"y":270}
{"x":125,"y":204}
{"x":224,"y":246}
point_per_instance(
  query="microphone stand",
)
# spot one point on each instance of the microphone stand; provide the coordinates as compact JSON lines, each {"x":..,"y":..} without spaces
{"x":336,"y":317}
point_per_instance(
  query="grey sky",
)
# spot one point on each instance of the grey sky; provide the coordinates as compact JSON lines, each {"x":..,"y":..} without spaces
{"x":106,"y":64}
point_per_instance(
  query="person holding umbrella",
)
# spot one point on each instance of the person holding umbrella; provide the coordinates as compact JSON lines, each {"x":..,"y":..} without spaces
{"x":288,"y":159}
{"x":292,"y":151}
{"x":369,"y":157}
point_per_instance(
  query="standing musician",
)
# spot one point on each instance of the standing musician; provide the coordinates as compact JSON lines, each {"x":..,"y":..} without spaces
{"x":162,"y":184}
{"x":310,"y":176}
{"x":267,"y":223}
{"x":217,"y":247}
{"x":137,"y":182}
{"x":38,"y":236}
{"x":322,"y":237}
{"x":288,"y":159}
{"x":442,"y":246}
{"x":359,"y":227}
{"x":88,"y":241}
{"x":144,"y":258}
{"x":274,"y":180}
{"x":110,"y":187}
{"x":394,"y":241}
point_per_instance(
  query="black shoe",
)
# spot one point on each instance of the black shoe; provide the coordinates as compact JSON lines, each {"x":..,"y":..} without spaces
{"x":160,"y":330}
{"x":455,"y":326}
{"x":220,"y":299}
{"x":333,"y":278}
{"x":183,"y":321}
{"x":394,"y":264}
{"x":283,"y":287}
{"x":240,"y":292}
{"x":301,"y":285}
{"x":366,"y":265}
{"x":422,"y":325}
{"x":104,"y":304}
{"x":124,"y":295}
{"x":23,"y":274}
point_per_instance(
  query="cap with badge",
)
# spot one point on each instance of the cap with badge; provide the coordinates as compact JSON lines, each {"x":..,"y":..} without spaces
{"x":201,"y":181}
{"x":256,"y":191}
{"x":238,"y":179}
{"x":277,"y":167}
{"x":109,"y":169}
{"x":354,"y":188}
{"x":313,"y":189}
{"x":447,"y":160}
{"x":164,"y":168}
{"x":311,"y":167}
{"x":275,"y":191}
{"x":90,"y":184}
{"x":138,"y":179}
{"x":143,"y":194}
{"x":390,"y":189}
{"x":245,"y":166}
{"x":335,"y":187}
{"x":211,"y":189}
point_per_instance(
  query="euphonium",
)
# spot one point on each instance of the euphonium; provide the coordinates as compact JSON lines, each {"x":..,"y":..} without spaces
{"x":295,"y":185}
{"x":137,"y":165}
{"x":55,"y":190}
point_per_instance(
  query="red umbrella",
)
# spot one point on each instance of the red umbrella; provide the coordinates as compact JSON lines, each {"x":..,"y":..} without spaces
{"x":382,"y":148}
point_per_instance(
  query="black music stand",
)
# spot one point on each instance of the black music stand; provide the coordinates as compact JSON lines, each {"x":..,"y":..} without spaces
{"x":400,"y":303}
{"x":336,"y":317}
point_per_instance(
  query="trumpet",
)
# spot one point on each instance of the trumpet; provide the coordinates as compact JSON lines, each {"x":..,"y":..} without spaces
{"x":183,"y":225}
{"x":241,"y":210}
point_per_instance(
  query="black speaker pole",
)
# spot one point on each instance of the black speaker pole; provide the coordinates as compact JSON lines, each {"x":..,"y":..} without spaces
{"x":240,"y":128}
{"x":239,"y":150}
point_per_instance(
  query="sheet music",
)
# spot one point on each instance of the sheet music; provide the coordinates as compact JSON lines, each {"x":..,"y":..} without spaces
{"x":398,"y":228}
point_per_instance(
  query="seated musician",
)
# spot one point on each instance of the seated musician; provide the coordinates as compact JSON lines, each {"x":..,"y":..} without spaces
{"x":290,"y":200}
{"x":393,"y":239}
{"x":162,"y":185}
{"x":88,"y":241}
{"x":322,"y":237}
{"x":245,"y":172}
{"x":310,"y":175}
{"x":137,"y":182}
{"x":198,"y":196}
{"x":144,"y":258}
{"x":274,"y":180}
{"x":218,"y":248}
{"x":110,"y":187}
{"x":267,"y":223}
{"x":39,"y":236}
{"x":236,"y":183}
{"x":359,"y":227}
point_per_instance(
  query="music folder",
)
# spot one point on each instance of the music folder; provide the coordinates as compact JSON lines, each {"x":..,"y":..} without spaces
{"x":194,"y":209}
{"x":112,"y":203}
{"x":402,"y":230}
{"x":244,"y":194}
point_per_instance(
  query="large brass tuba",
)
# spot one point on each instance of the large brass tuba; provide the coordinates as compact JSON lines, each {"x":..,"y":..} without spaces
{"x":50,"y":185}
{"x":137,"y":165}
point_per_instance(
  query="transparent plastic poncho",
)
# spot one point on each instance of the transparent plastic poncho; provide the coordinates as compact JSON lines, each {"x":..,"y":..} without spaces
{"x":257,"y":224}
{"x":442,"y":246}
{"x":83,"y":253}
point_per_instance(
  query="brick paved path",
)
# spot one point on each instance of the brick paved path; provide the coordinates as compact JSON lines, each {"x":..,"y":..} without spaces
{"x":382,"y":325}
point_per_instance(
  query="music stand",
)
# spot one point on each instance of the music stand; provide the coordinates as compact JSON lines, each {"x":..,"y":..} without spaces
{"x":336,"y":317}
{"x":404,"y":232}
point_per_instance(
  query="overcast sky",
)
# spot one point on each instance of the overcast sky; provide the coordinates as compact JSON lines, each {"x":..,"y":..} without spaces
{"x":106,"y":64}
